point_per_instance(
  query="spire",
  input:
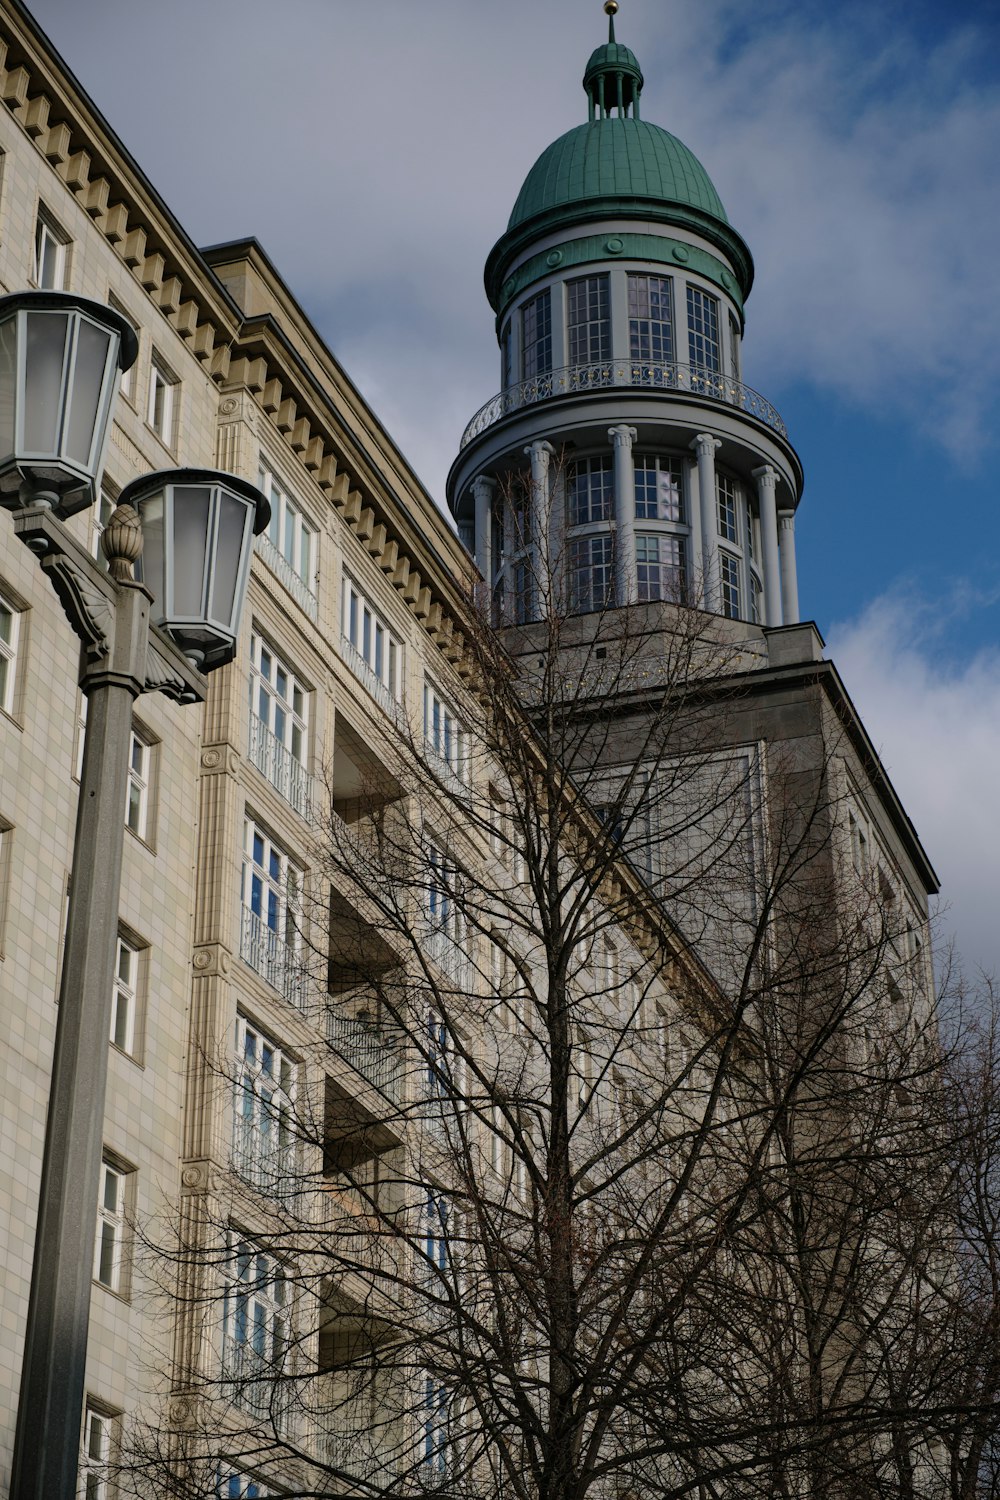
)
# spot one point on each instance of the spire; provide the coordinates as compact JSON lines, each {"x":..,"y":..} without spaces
{"x":613,"y":79}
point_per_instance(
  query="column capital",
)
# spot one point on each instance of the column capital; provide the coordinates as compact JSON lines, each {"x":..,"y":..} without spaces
{"x":483,"y":485}
{"x":705,"y":444}
{"x":766,"y":476}
{"x":538,"y":447}
{"x":786,"y":518}
{"x":623,"y":436}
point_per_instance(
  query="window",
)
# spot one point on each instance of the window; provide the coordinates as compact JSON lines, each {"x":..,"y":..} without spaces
{"x":109,"y":1251}
{"x":263,"y":1138}
{"x":727,"y":497}
{"x":591,"y":491}
{"x":125,"y":1002}
{"x":278,"y":723}
{"x":434,"y":1425}
{"x":445,"y":913}
{"x":161,"y":410}
{"x":127,"y":382}
{"x":444,"y":733}
{"x":650,"y":319}
{"x":591,"y":576}
{"x":230,"y":1485}
{"x":729,"y":577}
{"x":9,"y":631}
{"x":99,"y":518}
{"x":588,"y":320}
{"x":51,"y":244}
{"x":270,"y":891}
{"x":375,"y":648}
{"x":658,"y":489}
{"x":734,"y":348}
{"x":536,"y":336}
{"x":507,"y":355}
{"x":256,"y":1330}
{"x":703,"y":330}
{"x":523,"y":592}
{"x":98,"y":1437}
{"x":434,"y":1241}
{"x":288,"y":532}
{"x":137,"y":802}
{"x":660,"y":567}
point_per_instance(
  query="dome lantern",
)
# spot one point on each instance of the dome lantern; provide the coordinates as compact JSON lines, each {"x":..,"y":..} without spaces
{"x":613,"y":80}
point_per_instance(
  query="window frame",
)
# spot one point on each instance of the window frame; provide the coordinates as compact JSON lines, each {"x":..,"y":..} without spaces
{"x":111,"y":1233}
{"x":140,"y":786}
{"x":588,"y":319}
{"x":446,"y":734}
{"x":290,"y":709}
{"x":703,"y":331}
{"x":50,"y":233}
{"x":278,"y":895}
{"x":162,"y":402}
{"x":267,"y":1293}
{"x":666,"y":578}
{"x":10,"y":654}
{"x":367,"y":631}
{"x":290,"y":528}
{"x":94,"y":1482}
{"x":658,"y":332}
{"x":590,"y":492}
{"x":127,"y":992}
{"x":535,"y":322}
{"x":583,"y":572}
{"x":263,"y":1140}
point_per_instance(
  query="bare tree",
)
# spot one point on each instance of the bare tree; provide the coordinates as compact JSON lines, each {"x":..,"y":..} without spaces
{"x":635,"y":1181}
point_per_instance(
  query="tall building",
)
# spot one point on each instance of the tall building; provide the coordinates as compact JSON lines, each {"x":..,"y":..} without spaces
{"x":624,"y":467}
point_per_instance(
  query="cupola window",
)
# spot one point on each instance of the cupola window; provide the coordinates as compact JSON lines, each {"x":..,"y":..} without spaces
{"x":591,"y":492}
{"x":591,"y":563}
{"x":703,"y":330}
{"x":658,"y":494}
{"x":536,"y":336}
{"x":588,"y":320}
{"x":650,"y":319}
{"x":660,"y":567}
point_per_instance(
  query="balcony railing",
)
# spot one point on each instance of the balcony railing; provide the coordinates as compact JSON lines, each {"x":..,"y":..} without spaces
{"x":361,"y":1453}
{"x":642,"y":374}
{"x":367,"y":1049}
{"x":273,"y":959}
{"x":375,"y":686}
{"x":287,"y":576}
{"x":286,"y":774}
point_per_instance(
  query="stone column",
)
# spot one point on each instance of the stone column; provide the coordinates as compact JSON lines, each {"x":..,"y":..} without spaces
{"x":692,"y":512}
{"x":767,"y":478}
{"x":540,"y":453}
{"x":483,"y":489}
{"x":626,"y":584}
{"x":705,"y":447}
{"x":789,"y":576}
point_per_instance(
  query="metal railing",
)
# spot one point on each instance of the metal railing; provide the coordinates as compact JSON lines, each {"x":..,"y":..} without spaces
{"x":367,"y":1049}
{"x":272,"y":958}
{"x":273,"y":760}
{"x":283,"y":570}
{"x":375,"y":686}
{"x":362,"y":1453}
{"x":608,"y":374}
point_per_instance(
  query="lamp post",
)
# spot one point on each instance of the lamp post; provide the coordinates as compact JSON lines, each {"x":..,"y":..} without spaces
{"x":60,"y":357}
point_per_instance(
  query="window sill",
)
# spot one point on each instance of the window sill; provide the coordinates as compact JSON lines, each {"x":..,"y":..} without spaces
{"x":140,"y":839}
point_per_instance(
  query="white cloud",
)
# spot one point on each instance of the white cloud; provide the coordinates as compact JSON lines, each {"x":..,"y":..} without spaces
{"x":936,"y":725}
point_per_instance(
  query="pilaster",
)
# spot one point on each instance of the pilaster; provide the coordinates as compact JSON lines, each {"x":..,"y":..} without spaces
{"x":705,"y":447}
{"x":626,"y":586}
{"x":540,"y":453}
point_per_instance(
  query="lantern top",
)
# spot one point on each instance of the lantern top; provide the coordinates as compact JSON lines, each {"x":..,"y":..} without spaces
{"x":149,"y":483}
{"x":128,"y":339}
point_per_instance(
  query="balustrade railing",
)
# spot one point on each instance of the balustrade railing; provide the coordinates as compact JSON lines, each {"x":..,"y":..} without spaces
{"x":361,"y":1453}
{"x":374,"y":684}
{"x":283,"y":570}
{"x":644,"y":374}
{"x":273,"y":760}
{"x":272,"y":958}
{"x":367,"y":1049}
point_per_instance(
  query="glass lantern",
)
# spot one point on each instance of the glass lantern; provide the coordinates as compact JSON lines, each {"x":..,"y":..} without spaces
{"x":198,"y":527}
{"x":60,"y":361}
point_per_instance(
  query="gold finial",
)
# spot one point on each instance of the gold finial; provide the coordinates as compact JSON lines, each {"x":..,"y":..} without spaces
{"x":610,"y":7}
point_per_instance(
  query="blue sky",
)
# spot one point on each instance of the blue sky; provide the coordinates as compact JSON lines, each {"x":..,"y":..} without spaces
{"x":376,"y":149}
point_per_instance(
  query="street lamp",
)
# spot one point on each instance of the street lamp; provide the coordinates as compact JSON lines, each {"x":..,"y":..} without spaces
{"x":60,"y":357}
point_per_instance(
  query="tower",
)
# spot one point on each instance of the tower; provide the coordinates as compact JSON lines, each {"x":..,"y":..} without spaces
{"x":652,"y":470}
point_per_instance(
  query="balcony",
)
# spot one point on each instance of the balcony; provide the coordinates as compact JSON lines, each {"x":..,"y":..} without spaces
{"x":367,"y":1049}
{"x":274,"y":960}
{"x":287,"y":576}
{"x":287,"y":775}
{"x":637,"y":375}
{"x":363,"y":1454}
{"x":374,"y":685}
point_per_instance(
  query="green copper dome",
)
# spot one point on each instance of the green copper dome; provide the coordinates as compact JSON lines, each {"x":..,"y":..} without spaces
{"x":612,"y":157}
